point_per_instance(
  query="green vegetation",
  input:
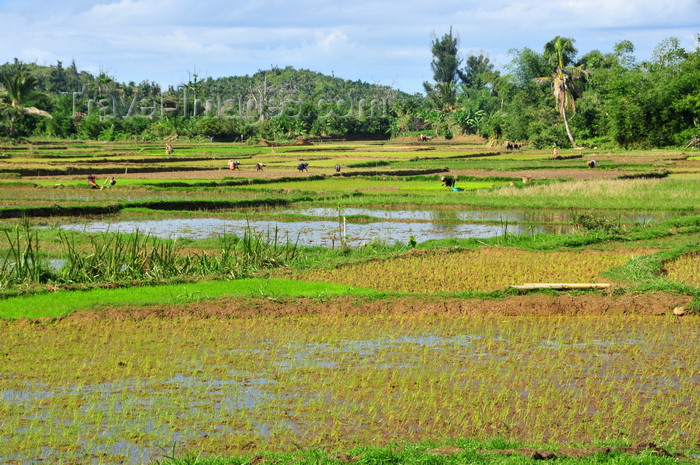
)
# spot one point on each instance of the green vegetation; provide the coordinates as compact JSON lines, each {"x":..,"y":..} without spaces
{"x":606,"y":99}
{"x":441,"y":453}
{"x":264,"y":346}
{"x":52,"y":305}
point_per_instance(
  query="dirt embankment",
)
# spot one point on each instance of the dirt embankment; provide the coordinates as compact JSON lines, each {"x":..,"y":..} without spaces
{"x":534,"y":304}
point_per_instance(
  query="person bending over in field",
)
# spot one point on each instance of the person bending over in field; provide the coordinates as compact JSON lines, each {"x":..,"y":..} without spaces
{"x":591,"y":163}
{"x":448,"y":181}
{"x":303,"y":166}
{"x":259,"y":166}
{"x":92,"y":182}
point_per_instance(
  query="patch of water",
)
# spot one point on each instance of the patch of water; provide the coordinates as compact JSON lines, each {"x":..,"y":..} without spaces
{"x":315,"y":233}
{"x":54,"y":264}
{"x":509,"y":216}
{"x":385,"y":225}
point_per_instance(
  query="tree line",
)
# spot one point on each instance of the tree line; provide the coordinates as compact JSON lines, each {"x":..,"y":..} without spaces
{"x":551,"y":97}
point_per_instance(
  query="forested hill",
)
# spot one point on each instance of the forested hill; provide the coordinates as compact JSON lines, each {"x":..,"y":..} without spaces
{"x":302,"y":83}
{"x":299,"y":84}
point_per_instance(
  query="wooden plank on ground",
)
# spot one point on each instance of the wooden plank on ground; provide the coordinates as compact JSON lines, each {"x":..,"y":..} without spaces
{"x":561,"y":286}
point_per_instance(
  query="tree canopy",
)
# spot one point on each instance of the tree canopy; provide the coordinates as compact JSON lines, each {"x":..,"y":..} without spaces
{"x":598,"y":98}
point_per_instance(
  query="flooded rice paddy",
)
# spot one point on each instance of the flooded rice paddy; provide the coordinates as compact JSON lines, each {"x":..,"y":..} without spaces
{"x":325,"y":226}
{"x":111,"y":390}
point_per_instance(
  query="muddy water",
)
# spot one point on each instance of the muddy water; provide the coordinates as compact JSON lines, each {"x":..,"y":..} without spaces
{"x":538,"y":216}
{"x":313,"y":232}
{"x":326,"y":226}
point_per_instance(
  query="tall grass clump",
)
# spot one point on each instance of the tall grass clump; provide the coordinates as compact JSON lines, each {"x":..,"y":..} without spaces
{"x":22,"y":262}
{"x":138,"y":257}
{"x":592,"y":222}
{"x":116,"y":257}
{"x":241,"y":257}
{"x":113,"y":257}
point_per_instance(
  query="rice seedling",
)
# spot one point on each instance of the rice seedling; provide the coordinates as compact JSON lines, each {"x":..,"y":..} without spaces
{"x":154,"y":373}
{"x":478,"y":271}
{"x":334,"y":380}
{"x":684,"y":269}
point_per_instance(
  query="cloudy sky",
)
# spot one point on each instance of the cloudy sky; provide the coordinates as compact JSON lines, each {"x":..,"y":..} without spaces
{"x":384,"y":42}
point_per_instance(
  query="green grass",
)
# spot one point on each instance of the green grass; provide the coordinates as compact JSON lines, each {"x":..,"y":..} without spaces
{"x":353,"y":184}
{"x":62,"y":303}
{"x":461,"y":451}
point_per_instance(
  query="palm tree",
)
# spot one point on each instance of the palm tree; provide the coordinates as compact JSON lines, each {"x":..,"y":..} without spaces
{"x":19,"y":84}
{"x":559,"y":52}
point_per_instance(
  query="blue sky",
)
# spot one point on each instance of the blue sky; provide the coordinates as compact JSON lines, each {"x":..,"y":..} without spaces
{"x":384,"y":42}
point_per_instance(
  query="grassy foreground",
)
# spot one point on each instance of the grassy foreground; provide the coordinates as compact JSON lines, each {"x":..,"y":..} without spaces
{"x":496,"y":451}
{"x":51,"y":305}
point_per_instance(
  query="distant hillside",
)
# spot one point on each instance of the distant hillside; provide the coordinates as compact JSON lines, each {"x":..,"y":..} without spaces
{"x":300,"y":84}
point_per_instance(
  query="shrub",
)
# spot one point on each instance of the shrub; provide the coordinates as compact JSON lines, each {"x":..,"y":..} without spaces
{"x":595,"y":223}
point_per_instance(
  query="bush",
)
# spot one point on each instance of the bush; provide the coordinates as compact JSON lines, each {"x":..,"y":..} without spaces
{"x":544,"y":135}
{"x":595,"y":223}
{"x":135,"y":125}
{"x":221,"y":129}
{"x":61,"y":125}
{"x":15,"y":124}
{"x":89,"y":127}
{"x":603,"y":142}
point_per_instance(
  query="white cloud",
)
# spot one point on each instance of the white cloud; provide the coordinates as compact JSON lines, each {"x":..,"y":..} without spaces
{"x":387,"y":41}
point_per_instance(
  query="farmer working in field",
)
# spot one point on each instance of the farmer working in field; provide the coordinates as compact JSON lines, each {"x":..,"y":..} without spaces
{"x":448,"y":181}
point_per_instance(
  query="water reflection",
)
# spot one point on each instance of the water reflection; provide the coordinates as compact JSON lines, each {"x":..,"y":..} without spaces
{"x":320,"y":233}
{"x":511,"y":216}
{"x":385,"y":225}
